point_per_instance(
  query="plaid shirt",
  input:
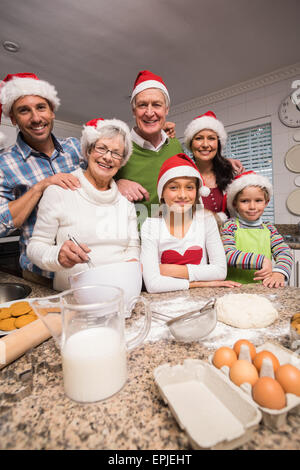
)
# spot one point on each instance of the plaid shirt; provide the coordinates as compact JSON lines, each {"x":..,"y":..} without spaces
{"x":21,"y":167}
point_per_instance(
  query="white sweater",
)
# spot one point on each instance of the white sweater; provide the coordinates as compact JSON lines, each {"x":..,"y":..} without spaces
{"x":104,"y":220}
{"x":157,"y":240}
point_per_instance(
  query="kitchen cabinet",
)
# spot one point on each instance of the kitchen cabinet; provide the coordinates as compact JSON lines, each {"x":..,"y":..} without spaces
{"x":295,"y":274}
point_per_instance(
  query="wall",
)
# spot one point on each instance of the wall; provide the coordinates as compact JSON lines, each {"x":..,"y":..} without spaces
{"x":245,"y":105}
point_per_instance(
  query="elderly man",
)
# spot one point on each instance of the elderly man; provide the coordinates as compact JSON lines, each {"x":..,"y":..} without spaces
{"x":151,"y":145}
{"x":34,"y":162}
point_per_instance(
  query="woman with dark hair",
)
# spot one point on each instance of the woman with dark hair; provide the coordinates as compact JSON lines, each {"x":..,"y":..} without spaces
{"x":206,"y":137}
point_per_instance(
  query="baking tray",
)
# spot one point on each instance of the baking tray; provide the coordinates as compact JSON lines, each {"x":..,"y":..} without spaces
{"x":207,"y":406}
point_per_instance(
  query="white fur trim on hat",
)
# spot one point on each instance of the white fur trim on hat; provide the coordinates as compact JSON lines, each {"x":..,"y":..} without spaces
{"x":243,"y":181}
{"x":180,"y":172}
{"x":205,"y":122}
{"x":150,"y":84}
{"x":19,"y":86}
{"x":91,"y":134}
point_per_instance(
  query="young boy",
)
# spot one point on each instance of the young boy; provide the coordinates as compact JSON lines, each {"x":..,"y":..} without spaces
{"x":249,"y":243}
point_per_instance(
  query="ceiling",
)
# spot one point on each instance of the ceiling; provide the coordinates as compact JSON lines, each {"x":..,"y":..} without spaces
{"x":92,"y":50}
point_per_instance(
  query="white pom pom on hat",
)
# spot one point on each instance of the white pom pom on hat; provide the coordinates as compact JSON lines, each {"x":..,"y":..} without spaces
{"x":92,"y":132}
{"x":242,"y":181}
{"x":205,"y":121}
{"x":146,"y":79}
{"x":178,"y":166}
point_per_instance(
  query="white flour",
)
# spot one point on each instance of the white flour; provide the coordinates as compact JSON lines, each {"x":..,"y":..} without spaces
{"x":222,"y":335}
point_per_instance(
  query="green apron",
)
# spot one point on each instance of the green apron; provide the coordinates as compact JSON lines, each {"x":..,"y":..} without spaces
{"x":250,"y":240}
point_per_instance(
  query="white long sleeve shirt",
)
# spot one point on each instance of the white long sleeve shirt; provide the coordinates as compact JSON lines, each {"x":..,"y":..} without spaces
{"x":104,"y":220}
{"x":202,"y":237}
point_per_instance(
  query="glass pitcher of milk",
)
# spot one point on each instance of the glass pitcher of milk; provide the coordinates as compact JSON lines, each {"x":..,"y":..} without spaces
{"x":88,"y":325}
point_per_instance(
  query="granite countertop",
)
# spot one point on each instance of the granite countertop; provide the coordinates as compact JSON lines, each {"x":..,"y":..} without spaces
{"x":289,"y":229}
{"x":36,"y":414}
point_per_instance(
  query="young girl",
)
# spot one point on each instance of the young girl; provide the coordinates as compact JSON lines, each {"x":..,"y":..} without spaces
{"x":182,"y":247}
{"x":250,"y":244}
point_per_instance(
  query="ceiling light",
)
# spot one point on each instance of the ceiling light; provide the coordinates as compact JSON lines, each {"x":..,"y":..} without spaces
{"x":10,"y":46}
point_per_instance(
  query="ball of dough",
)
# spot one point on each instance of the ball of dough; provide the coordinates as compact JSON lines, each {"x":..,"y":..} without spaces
{"x":245,"y":311}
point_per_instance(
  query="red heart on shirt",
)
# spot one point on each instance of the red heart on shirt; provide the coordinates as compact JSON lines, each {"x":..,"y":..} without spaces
{"x":192,"y":255}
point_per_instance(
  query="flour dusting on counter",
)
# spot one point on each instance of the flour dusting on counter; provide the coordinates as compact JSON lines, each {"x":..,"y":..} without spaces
{"x":222,"y":335}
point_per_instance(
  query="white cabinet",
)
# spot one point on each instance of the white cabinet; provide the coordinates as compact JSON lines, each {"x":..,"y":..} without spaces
{"x":295,"y":275}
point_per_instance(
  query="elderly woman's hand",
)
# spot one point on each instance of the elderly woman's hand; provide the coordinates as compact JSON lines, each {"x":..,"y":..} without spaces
{"x":71,"y":254}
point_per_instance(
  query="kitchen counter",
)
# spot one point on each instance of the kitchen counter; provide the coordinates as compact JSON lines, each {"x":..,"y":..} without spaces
{"x":289,"y":229}
{"x":36,"y":414}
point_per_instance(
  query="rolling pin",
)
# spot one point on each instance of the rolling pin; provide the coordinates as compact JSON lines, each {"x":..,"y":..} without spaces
{"x":16,"y":344}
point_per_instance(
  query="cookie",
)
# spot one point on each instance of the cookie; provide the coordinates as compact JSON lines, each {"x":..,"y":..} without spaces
{"x":24,"y":320}
{"x":45,"y":311}
{"x":7,"y":324}
{"x":20,"y":308}
{"x":5,"y":313}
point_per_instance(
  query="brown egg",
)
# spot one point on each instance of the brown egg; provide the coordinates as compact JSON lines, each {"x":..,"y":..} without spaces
{"x":238,"y":344}
{"x":289,"y":378}
{"x":224,"y":356}
{"x":257,"y":361}
{"x":267,"y":392}
{"x":243,"y":371}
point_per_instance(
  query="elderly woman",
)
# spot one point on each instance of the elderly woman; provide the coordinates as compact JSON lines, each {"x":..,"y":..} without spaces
{"x":95,"y":215}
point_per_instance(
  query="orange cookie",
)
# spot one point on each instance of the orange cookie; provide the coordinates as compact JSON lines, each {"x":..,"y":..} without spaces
{"x":5,"y":313}
{"x":8,"y":324}
{"x":45,"y":311}
{"x":24,"y":320}
{"x":20,"y":308}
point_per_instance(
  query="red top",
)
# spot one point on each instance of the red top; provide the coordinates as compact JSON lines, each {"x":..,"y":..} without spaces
{"x":214,"y":202}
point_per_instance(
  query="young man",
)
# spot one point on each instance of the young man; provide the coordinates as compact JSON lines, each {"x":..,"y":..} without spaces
{"x":35,"y":161}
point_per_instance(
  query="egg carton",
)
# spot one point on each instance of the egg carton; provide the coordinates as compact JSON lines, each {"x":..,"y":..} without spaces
{"x":207,"y":406}
{"x":273,"y":419}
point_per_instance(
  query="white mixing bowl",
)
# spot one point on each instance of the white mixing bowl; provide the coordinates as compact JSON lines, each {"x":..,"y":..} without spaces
{"x":126,"y":276}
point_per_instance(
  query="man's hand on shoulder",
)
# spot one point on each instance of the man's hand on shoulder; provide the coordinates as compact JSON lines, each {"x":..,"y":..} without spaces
{"x":132,"y":191}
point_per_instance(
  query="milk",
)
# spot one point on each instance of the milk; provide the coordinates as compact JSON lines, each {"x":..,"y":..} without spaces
{"x":94,"y":364}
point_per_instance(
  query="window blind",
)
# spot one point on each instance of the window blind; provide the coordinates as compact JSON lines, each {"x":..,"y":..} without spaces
{"x":253,"y":147}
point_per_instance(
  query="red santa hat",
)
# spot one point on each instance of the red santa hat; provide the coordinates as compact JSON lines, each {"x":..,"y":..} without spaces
{"x":242,"y":181}
{"x":205,"y":121}
{"x":92,"y":131}
{"x":178,"y":166}
{"x":145,"y":80}
{"x":16,"y":85}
